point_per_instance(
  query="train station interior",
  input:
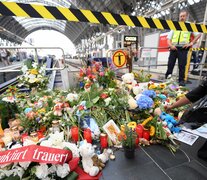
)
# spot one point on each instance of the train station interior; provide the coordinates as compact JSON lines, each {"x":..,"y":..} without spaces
{"x":103,"y":89}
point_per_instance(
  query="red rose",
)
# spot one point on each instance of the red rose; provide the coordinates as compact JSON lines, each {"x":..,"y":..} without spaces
{"x":104,"y":96}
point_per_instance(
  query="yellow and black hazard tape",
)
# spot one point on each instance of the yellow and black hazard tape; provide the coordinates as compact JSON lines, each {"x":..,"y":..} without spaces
{"x":80,"y":15}
{"x":199,"y":49}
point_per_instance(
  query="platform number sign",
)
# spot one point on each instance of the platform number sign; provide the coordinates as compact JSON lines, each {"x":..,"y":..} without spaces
{"x":119,"y":58}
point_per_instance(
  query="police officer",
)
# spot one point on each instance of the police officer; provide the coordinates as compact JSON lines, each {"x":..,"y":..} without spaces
{"x":179,"y":43}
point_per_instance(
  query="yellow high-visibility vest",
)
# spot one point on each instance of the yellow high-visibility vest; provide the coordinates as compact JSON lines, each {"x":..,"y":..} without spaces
{"x":181,"y":37}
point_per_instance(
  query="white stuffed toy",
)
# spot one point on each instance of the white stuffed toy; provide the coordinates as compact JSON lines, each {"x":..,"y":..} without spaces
{"x":128,"y":79}
{"x":87,"y":151}
{"x":132,"y":103}
{"x":104,"y":157}
{"x":139,"y":88}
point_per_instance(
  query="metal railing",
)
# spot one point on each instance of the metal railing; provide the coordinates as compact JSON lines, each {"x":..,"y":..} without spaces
{"x":36,"y":58}
{"x":157,"y":65}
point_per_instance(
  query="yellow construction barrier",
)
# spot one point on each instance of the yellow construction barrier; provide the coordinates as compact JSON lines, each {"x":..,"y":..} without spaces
{"x":80,"y":15}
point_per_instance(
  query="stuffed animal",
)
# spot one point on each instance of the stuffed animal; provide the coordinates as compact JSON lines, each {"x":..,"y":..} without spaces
{"x":87,"y":152}
{"x":97,"y":162}
{"x":128,"y":80}
{"x":132,"y":103}
{"x":171,"y":122}
{"x":104,"y":157}
{"x":139,"y":88}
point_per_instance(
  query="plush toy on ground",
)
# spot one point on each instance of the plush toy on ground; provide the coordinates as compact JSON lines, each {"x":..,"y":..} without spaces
{"x":87,"y":152}
{"x":171,"y":122}
{"x":97,"y":162}
{"x":104,"y":157}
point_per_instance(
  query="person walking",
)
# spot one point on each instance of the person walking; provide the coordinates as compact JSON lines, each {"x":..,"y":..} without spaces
{"x":179,"y":43}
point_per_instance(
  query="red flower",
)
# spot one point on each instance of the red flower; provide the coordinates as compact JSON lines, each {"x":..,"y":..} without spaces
{"x":81,"y":107}
{"x":104,"y":95}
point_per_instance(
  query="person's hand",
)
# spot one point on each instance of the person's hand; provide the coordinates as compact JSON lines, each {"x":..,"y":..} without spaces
{"x":168,"y":108}
{"x":173,"y":48}
{"x":187,"y":45}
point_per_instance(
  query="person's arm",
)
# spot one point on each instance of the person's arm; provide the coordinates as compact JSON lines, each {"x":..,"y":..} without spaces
{"x":169,"y":40}
{"x":172,"y":47}
{"x":181,"y":102}
{"x":192,"y":42}
{"x":192,"y":96}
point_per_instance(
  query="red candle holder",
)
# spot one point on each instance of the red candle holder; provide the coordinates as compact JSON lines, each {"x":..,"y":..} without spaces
{"x":87,"y":135}
{"x":103,"y":140}
{"x":74,"y":133}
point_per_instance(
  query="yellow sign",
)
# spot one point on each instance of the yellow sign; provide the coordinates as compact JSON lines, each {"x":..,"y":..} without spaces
{"x":119,"y":58}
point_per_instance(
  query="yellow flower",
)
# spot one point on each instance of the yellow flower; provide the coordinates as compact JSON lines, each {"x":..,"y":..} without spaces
{"x":152,"y":86}
{"x":162,"y":85}
{"x":132,"y":125}
{"x":42,"y":110}
{"x":34,"y":71}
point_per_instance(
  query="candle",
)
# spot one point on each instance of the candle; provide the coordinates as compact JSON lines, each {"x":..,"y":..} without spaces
{"x":87,"y":135}
{"x":74,"y":133}
{"x":103,"y":140}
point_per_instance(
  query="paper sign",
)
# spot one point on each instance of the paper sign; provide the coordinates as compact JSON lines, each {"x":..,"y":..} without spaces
{"x":186,"y":137}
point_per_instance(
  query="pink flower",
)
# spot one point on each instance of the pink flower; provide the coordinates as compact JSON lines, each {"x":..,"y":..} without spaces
{"x":101,"y":73}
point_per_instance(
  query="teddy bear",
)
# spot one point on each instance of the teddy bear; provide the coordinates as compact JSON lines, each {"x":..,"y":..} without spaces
{"x":104,"y":157}
{"x":87,"y":152}
{"x":97,"y":162}
{"x":139,"y":88}
{"x":128,"y":80}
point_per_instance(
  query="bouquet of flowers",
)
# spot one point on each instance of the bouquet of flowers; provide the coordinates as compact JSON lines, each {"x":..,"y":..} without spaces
{"x":34,"y":75}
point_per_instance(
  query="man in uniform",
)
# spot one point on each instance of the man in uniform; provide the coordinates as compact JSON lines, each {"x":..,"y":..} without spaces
{"x":179,"y":43}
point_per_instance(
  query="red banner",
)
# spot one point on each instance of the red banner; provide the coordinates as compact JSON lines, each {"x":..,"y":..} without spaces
{"x":163,"y":43}
{"x":36,"y":153}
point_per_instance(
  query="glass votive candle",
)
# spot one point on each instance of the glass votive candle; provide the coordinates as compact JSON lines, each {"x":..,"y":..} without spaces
{"x":87,"y":135}
{"x":103,"y":140}
{"x":74,"y":133}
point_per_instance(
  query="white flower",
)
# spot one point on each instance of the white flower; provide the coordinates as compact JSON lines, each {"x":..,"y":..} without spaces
{"x":57,"y":138}
{"x":72,"y":147}
{"x":18,"y":171}
{"x":46,"y":143}
{"x":52,"y":169}
{"x":32,"y":78}
{"x":107,"y":101}
{"x":24,"y":69}
{"x":24,"y":165}
{"x":71,"y":97}
{"x":34,"y":65}
{"x":10,"y":99}
{"x":63,"y":170}
{"x":42,"y":171}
